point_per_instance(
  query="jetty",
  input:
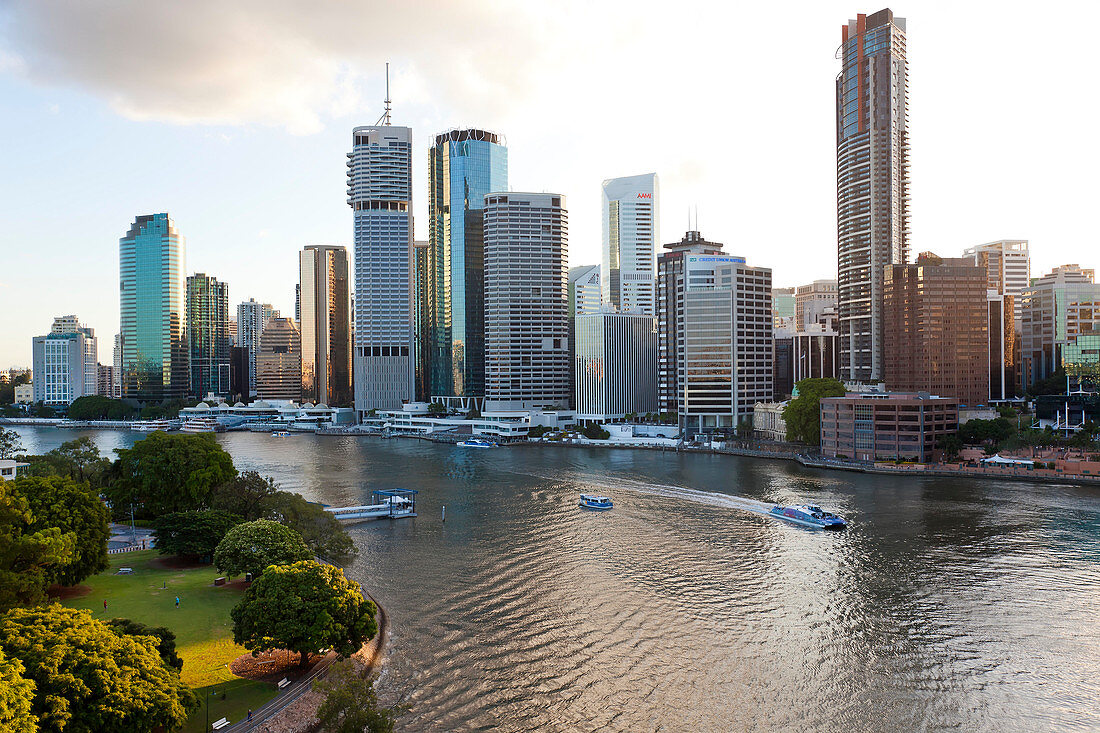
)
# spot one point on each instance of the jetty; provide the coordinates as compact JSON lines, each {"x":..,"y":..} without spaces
{"x":388,"y":504}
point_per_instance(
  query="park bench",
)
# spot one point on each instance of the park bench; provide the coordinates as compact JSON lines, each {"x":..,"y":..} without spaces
{"x":219,"y":724}
{"x":283,"y":683}
{"x":219,"y":581}
{"x":125,"y":571}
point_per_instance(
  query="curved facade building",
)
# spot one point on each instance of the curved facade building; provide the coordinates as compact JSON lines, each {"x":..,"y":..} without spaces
{"x":631,"y":228}
{"x":465,"y":166}
{"x":872,"y":183}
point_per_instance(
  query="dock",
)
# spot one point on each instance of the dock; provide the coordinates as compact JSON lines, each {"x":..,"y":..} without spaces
{"x":388,"y":504}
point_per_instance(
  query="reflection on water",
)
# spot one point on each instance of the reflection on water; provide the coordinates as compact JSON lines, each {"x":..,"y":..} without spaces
{"x":946,"y":605}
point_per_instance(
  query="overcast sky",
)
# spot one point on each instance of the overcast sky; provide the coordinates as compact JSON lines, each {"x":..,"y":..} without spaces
{"x":235,"y":118}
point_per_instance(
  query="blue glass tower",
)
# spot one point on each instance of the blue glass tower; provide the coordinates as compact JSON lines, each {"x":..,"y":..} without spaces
{"x":465,"y":166}
{"x":152,"y":294}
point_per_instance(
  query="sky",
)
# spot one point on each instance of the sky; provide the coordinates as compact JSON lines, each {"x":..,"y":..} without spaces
{"x":235,"y":118}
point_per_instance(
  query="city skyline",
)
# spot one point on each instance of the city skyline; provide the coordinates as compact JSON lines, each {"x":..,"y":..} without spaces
{"x":243,"y":180}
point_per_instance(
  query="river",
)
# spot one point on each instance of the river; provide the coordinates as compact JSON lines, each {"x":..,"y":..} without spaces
{"x":948,"y":604}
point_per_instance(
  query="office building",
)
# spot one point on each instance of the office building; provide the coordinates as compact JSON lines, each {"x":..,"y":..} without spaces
{"x":105,"y":380}
{"x":380,"y":195}
{"x":325,"y":326}
{"x":465,"y":165}
{"x":526,"y":310}
{"x":153,"y":299}
{"x":631,"y":229}
{"x":1061,"y":313}
{"x":241,"y":362}
{"x":937,"y":329}
{"x":782,"y":363}
{"x":783,"y":308}
{"x":422,"y":319}
{"x":279,"y":361}
{"x":816,"y":348}
{"x":208,"y":326}
{"x":583,"y":297}
{"x":251,"y":319}
{"x":116,"y":372}
{"x":872,"y":183}
{"x":90,"y":367}
{"x":616,"y":365}
{"x":1008,"y":264}
{"x":812,"y":301}
{"x":233,"y":332}
{"x":1004,"y":346}
{"x":871,"y":426}
{"x":60,"y":367}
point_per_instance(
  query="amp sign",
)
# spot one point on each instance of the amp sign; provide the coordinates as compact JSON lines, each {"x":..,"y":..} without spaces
{"x":645,"y":195}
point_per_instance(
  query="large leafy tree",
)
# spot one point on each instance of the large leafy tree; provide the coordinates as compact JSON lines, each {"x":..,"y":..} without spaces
{"x":304,"y":607}
{"x":166,"y":640}
{"x":88,"y":677}
{"x":252,"y":546}
{"x":80,"y":460}
{"x":16,"y":698}
{"x":803,"y":414}
{"x":194,"y":533}
{"x":27,"y":557}
{"x":10,"y":444}
{"x":350,"y":703}
{"x":98,"y":407}
{"x":249,"y":495}
{"x":73,"y":508}
{"x":169,"y":473}
{"x":322,"y":532}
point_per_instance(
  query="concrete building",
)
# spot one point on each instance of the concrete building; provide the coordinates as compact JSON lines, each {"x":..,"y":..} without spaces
{"x":325,"y":325}
{"x":60,"y":368}
{"x":615,"y":366}
{"x":232,"y":331}
{"x":526,"y":310}
{"x":153,"y":298}
{"x":768,"y":422}
{"x":812,"y":301}
{"x":782,"y":363}
{"x":1059,"y":310}
{"x":105,"y":380}
{"x":208,"y":329}
{"x":24,"y":394}
{"x":251,"y":319}
{"x":380,"y":194}
{"x":279,"y":361}
{"x":783,"y":308}
{"x":937,"y":328}
{"x":11,"y":469}
{"x":465,"y":166}
{"x":817,"y":349}
{"x":631,"y":230}
{"x":871,"y":426}
{"x":1008,"y":264}
{"x":872,"y":183}
{"x":90,"y":359}
{"x":422,"y":316}
{"x":583,"y":297}
{"x":116,"y":374}
{"x":240,"y":372}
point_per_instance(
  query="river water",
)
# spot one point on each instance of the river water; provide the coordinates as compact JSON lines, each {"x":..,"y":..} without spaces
{"x":947,"y":605}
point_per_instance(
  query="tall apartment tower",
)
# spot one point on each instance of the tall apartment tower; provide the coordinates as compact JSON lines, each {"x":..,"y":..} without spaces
{"x":153,"y":299}
{"x":208,"y":327}
{"x":380,"y":195}
{"x":325,"y":325}
{"x":631,"y":229}
{"x":465,"y":165}
{"x":526,"y":313}
{"x":872,"y":163}
{"x":251,"y":319}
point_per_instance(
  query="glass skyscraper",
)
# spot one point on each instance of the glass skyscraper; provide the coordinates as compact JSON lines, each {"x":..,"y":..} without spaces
{"x":465,"y":165}
{"x":872,"y":163}
{"x":631,"y":224}
{"x":152,"y":294}
{"x":208,"y":326}
{"x":325,"y":323}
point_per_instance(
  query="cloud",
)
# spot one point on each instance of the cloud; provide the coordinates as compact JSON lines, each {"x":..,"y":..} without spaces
{"x":277,"y":62}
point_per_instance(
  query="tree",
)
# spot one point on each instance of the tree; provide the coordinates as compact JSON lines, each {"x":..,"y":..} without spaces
{"x":89,"y":678}
{"x":323,"y":533}
{"x":10,"y":444}
{"x":253,"y":546}
{"x":7,"y":389}
{"x":249,"y":496}
{"x":27,"y":557}
{"x":74,"y":509}
{"x":169,"y":473}
{"x":437,"y":408}
{"x":593,"y":431}
{"x":98,"y":407}
{"x":166,"y":640}
{"x":16,"y":698}
{"x":950,"y":444}
{"x":304,"y":607}
{"x":803,"y":414}
{"x":351,"y":704}
{"x":39,"y":409}
{"x":194,"y":534}
{"x":80,"y":459}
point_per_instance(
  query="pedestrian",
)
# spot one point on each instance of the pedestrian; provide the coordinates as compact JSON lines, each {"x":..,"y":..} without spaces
{"x":177,"y":601}
{"x":250,"y":715}
{"x":104,"y":605}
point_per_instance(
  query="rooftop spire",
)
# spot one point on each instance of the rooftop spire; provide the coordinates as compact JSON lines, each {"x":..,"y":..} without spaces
{"x":385,"y":118}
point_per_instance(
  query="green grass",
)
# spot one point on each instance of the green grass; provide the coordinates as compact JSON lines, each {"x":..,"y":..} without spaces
{"x":203,"y":628}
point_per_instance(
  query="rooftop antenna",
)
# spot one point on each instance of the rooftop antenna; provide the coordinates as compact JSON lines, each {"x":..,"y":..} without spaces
{"x":385,"y":118}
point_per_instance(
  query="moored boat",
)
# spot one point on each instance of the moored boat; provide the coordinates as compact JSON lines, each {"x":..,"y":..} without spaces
{"x":591,"y":501}
{"x":151,"y":426}
{"x":281,"y":434}
{"x":202,"y":425}
{"x":477,"y":443}
{"x":809,"y":515}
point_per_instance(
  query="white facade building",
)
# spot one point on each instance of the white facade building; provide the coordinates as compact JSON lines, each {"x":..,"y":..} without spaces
{"x":1008,"y":262}
{"x":380,"y":194}
{"x":615,"y":365}
{"x":526,"y":311}
{"x":811,"y":301}
{"x":60,"y":367}
{"x":90,"y":366}
{"x":584,"y":290}
{"x":631,"y":229}
{"x":251,"y":319}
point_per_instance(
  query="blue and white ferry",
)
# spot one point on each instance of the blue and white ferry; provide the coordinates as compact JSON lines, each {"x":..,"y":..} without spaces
{"x":600,"y":503}
{"x":477,"y":443}
{"x":809,"y":515}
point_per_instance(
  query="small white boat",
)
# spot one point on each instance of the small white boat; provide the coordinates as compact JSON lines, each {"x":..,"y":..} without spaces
{"x":600,"y":503}
{"x":151,"y":426}
{"x":202,"y":425}
{"x":281,"y":434}
{"x":477,"y":443}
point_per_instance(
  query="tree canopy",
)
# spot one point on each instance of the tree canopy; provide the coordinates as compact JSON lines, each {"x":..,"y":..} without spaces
{"x":195,"y":533}
{"x":304,"y":607}
{"x":351,"y":704}
{"x":252,"y":546}
{"x":10,"y":444}
{"x":980,"y":431}
{"x":803,"y":413}
{"x":16,"y":698}
{"x":73,"y":508}
{"x":98,"y":407}
{"x":322,"y":532}
{"x":166,"y":640}
{"x":169,"y":473}
{"x":249,"y":496}
{"x":80,"y":460}
{"x":28,"y":557}
{"x":89,"y":678}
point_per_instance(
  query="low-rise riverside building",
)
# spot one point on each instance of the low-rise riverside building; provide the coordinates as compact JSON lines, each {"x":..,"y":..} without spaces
{"x":272,"y":414}
{"x":11,"y":470}
{"x":886,"y":426}
{"x":768,"y":422}
{"x":415,"y":418}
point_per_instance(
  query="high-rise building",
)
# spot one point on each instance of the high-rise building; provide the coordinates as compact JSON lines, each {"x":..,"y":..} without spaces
{"x":872,"y":183}
{"x":208,"y":326}
{"x":465,"y":165}
{"x":816,"y":352}
{"x":1061,"y":325}
{"x":380,"y":195}
{"x":240,"y":366}
{"x":670,"y":302}
{"x":251,"y":319}
{"x":631,"y":229}
{"x":232,"y":331}
{"x":937,"y":329}
{"x":583,"y":297}
{"x":616,"y":365}
{"x":325,"y":325}
{"x":279,"y":361}
{"x":1008,"y":263}
{"x":64,"y":363}
{"x":526,"y":313}
{"x":422,"y":318}
{"x":90,"y":367}
{"x":116,"y":372}
{"x":106,"y":379}
{"x":811,"y":301}
{"x":153,"y":298}
{"x":783,"y":308}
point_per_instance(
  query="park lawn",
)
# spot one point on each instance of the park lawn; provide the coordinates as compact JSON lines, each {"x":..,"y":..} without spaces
{"x":203,"y":628}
